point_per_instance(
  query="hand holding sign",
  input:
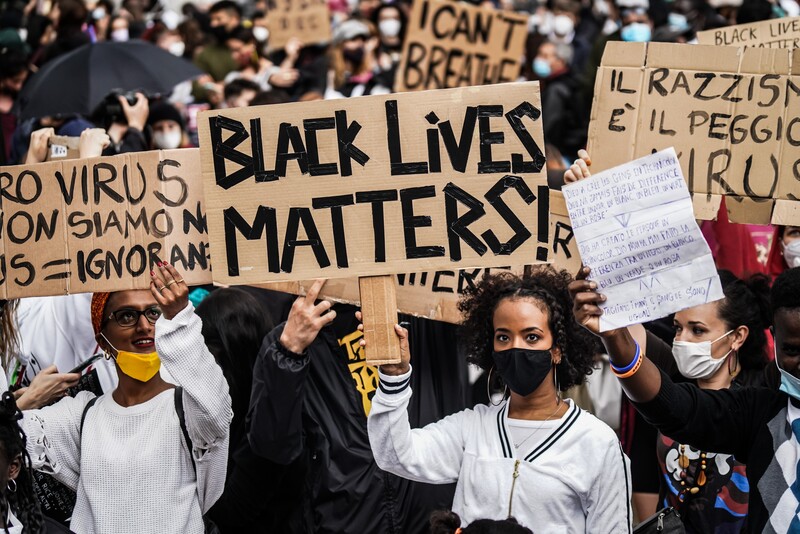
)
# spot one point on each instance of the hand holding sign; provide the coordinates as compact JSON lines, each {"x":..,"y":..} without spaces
{"x":169,"y":289}
{"x":405,"y":353}
{"x":586,"y":301}
{"x":306,"y":319}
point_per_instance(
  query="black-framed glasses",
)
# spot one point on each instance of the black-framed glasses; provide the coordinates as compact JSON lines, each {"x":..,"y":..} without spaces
{"x":128,"y":317}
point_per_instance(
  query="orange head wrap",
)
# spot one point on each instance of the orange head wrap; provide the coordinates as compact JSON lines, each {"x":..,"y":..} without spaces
{"x":98,"y":307}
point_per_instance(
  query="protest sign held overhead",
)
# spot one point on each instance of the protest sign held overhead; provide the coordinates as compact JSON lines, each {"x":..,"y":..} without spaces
{"x":99,"y":224}
{"x":308,"y":20}
{"x":636,"y":230}
{"x":733,"y":116}
{"x":773,"y":33}
{"x":454,"y":44}
{"x":376,"y":185}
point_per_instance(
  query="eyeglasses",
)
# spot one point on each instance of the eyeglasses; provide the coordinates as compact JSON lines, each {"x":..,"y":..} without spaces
{"x":127,"y":317}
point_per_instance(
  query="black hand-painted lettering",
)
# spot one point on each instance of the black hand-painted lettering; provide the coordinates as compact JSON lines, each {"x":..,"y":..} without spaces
{"x":411,"y":222}
{"x":514,"y":118}
{"x":377,"y":198}
{"x":494,"y":197}
{"x":346,"y":135}
{"x":226,"y":151}
{"x":162,"y":177}
{"x":457,"y":227}
{"x":459,"y":152}
{"x":395,"y":144}
{"x":488,"y":138}
{"x":286,"y":134}
{"x":313,"y":239}
{"x":311,"y":127}
{"x":335,"y":204}
{"x":265,"y":224}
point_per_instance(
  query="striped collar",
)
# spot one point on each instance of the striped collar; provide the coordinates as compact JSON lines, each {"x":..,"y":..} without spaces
{"x":573,"y":412}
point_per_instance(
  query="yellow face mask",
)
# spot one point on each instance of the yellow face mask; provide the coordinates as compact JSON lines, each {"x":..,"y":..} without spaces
{"x":141,"y":367}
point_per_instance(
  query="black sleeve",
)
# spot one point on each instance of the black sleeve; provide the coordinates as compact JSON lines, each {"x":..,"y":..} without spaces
{"x":660,"y":354}
{"x":724,"y":421}
{"x":275,"y":418}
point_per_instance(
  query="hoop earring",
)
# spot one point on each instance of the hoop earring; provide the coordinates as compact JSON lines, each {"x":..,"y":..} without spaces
{"x":11,"y":485}
{"x":489,"y":389}
{"x":555,"y":382}
{"x":735,"y":357}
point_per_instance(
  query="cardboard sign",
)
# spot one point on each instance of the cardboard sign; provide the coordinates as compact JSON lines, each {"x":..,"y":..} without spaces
{"x":636,"y":230}
{"x":376,"y":185}
{"x":733,"y":116}
{"x":62,"y":147}
{"x":435,"y":295}
{"x":99,"y":224}
{"x":773,"y":33}
{"x":454,"y":44}
{"x":308,"y":20}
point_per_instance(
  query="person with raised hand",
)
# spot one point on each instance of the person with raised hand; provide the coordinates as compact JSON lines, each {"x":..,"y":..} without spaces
{"x":148,"y":457}
{"x":534,"y":456}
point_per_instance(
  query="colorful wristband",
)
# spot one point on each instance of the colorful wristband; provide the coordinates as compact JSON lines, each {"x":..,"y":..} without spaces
{"x":622,"y":370}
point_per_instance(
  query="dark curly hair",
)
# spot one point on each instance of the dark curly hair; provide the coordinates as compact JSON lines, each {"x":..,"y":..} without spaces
{"x":23,"y":501}
{"x":447,"y":522}
{"x":547,"y":286}
{"x":746,"y":303}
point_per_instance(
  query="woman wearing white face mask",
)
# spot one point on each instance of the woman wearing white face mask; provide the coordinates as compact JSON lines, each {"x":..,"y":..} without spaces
{"x":785,"y":251}
{"x":167,"y":126}
{"x":391,"y":23}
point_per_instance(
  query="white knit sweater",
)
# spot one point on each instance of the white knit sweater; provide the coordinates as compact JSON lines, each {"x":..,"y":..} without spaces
{"x":576,"y":480}
{"x":130,"y":467}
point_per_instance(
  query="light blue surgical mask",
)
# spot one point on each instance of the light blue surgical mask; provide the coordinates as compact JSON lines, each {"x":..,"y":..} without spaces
{"x":678,"y":22}
{"x":790,"y":384}
{"x":542,"y":68}
{"x":636,"y":32}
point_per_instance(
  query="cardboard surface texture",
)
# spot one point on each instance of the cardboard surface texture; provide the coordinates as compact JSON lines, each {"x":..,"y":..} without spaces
{"x":376,"y":185}
{"x":733,"y":116}
{"x":773,"y":33}
{"x":62,"y":147}
{"x":454,"y":44}
{"x":379,"y":309}
{"x":98,"y":224}
{"x":308,"y":20}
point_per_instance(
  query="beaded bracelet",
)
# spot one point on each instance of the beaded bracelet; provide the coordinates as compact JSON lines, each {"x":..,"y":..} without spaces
{"x":630,"y":369}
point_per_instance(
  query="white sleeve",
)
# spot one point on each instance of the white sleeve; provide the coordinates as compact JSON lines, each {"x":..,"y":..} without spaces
{"x":609,"y":504}
{"x":207,"y":402}
{"x":432,"y":454}
{"x":54,"y":438}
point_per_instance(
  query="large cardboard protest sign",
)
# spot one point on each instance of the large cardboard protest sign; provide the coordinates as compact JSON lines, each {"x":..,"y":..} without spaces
{"x":434,"y":295}
{"x":733,"y":116}
{"x":773,"y":33}
{"x":99,"y":224}
{"x":376,"y":185}
{"x":307,"y":20}
{"x":454,"y":44}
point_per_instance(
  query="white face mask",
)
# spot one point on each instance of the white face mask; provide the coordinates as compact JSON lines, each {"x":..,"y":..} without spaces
{"x":694,"y":360}
{"x":121,"y":35}
{"x":260,"y":33}
{"x":177,"y":48}
{"x":167,"y":140}
{"x":389,"y":27}
{"x":563,"y":25}
{"x":791,"y":253}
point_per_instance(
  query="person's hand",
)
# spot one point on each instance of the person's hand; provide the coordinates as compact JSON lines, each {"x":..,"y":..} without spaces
{"x":585,"y":301}
{"x":284,"y":78}
{"x":580,"y":169}
{"x":393,"y":369}
{"x":37,"y":151}
{"x":293,"y":48}
{"x":47,"y":386}
{"x":169,"y":289}
{"x":306,"y":319}
{"x":92,"y":142}
{"x":137,"y":113}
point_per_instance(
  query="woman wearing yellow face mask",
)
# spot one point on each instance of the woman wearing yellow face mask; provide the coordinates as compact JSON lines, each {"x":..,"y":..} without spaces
{"x":149,"y":457}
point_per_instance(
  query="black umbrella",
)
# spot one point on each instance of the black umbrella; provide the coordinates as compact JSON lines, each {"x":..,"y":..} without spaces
{"x":78,"y":82}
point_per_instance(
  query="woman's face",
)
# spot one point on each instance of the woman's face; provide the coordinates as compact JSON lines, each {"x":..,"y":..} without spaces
{"x":703,"y":323}
{"x":242,"y":52}
{"x":140,"y":337}
{"x":790,"y":233}
{"x":9,"y":470}
{"x":522,"y":323}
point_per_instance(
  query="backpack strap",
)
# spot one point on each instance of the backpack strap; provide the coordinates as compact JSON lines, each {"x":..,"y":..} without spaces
{"x":182,"y":420}
{"x":85,"y":411}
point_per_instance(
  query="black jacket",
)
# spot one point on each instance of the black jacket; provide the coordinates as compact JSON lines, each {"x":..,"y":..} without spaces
{"x":307,"y":409}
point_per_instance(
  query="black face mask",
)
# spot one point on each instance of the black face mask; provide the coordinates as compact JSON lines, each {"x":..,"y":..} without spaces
{"x":220,"y":33}
{"x":523,"y":370}
{"x":355,"y":56}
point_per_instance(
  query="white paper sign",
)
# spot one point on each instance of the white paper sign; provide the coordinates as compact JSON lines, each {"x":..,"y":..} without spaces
{"x":636,"y":230}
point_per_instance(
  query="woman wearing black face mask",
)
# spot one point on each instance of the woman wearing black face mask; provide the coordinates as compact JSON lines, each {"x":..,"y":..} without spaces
{"x":354,"y":67}
{"x":533,"y":456}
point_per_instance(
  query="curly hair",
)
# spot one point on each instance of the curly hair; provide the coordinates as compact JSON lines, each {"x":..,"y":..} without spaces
{"x":746,"y":303}
{"x":23,"y":501}
{"x":545,"y":285}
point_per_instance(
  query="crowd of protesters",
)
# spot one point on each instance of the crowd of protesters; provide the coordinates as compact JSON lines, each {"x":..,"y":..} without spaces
{"x":202,"y":409}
